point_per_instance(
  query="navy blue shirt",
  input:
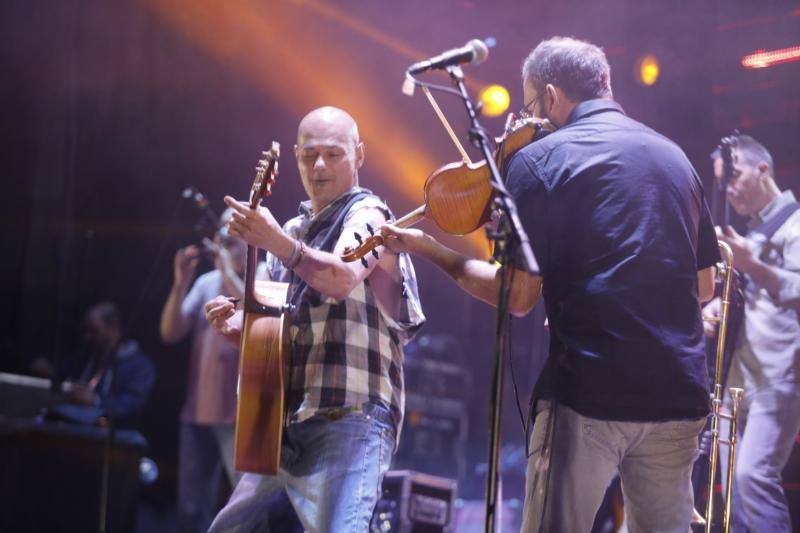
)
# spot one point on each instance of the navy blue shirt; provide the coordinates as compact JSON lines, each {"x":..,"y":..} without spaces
{"x":619,"y":225}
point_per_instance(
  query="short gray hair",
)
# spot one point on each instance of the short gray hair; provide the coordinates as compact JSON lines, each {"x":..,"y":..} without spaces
{"x":578,"y":67}
{"x":753,"y":152}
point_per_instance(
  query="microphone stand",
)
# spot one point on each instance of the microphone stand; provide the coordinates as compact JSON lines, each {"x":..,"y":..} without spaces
{"x":509,"y":238}
{"x":105,"y":475}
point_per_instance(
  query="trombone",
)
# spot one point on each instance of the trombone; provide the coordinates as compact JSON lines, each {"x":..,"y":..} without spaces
{"x":736,"y":394}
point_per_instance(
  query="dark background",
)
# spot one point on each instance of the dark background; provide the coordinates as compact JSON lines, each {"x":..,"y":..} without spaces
{"x":111,"y":109}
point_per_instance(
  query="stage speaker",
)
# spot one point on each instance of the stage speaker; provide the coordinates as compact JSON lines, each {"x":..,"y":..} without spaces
{"x":435,"y":427}
{"x":412,"y":502}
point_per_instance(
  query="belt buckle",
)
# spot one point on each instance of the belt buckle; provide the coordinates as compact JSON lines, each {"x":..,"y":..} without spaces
{"x":337,"y":413}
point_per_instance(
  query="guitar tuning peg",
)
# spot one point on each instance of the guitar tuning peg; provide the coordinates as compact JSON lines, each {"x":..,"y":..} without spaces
{"x":364,"y":262}
{"x":369,"y":229}
{"x":375,"y":253}
{"x":358,"y":237}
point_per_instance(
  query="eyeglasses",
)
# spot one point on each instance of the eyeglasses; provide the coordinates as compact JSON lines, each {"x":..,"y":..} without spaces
{"x":526,"y":111}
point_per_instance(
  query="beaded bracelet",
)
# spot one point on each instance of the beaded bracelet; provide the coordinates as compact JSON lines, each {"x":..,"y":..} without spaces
{"x":297,"y":255}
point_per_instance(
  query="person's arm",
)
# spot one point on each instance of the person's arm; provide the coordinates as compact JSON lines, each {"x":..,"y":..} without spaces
{"x":706,"y":284}
{"x":221,"y":313}
{"x":324,"y":271}
{"x":476,"y":277}
{"x":711,"y":311}
{"x":174,"y":325}
{"x":232,"y":283}
{"x":134,"y":381}
{"x":783,"y":284}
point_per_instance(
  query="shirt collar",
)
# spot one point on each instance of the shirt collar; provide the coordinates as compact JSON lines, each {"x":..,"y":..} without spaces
{"x":306,"y":211}
{"x":779,"y":202}
{"x":592,"y":107}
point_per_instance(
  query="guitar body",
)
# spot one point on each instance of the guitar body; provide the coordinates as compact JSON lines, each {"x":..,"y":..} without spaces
{"x":262,"y":380}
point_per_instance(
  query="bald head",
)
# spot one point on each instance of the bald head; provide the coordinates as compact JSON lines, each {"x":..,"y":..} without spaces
{"x":328,"y":154}
{"x":328,"y":121}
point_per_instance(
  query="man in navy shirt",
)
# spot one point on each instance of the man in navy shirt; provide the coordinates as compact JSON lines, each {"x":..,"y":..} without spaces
{"x":621,"y":231}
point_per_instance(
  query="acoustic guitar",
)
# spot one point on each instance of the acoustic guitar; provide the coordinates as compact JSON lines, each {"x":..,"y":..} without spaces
{"x":263,"y":352}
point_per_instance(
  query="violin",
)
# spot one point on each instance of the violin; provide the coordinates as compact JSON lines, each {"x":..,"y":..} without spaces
{"x":458,"y":196}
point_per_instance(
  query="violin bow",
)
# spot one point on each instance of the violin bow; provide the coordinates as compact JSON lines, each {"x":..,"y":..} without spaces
{"x":368,"y":244}
{"x":446,"y":125}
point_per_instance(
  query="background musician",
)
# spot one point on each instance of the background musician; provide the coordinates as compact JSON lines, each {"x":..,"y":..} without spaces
{"x":345,"y":398}
{"x":766,"y":360}
{"x":208,"y":413}
{"x":108,"y":375}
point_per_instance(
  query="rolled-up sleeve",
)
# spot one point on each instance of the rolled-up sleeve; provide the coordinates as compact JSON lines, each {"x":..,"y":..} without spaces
{"x":789,"y":273}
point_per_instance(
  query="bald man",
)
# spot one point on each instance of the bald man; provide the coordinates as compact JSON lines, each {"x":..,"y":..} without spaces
{"x":345,"y":394}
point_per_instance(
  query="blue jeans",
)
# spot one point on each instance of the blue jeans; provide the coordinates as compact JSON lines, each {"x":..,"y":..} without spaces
{"x":330,"y":477}
{"x":205,"y":453}
{"x":654,"y":460}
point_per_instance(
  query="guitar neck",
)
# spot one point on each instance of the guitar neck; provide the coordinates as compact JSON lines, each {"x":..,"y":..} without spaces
{"x":251,"y":265}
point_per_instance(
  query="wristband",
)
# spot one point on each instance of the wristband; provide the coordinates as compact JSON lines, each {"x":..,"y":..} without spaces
{"x":297,"y":255}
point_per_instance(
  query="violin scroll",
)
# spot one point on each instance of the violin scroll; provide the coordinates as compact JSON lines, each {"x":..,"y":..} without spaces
{"x":364,"y":247}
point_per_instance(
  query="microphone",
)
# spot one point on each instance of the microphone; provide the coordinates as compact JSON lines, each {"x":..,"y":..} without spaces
{"x":208,"y":217}
{"x":196,"y":196}
{"x":474,"y":52}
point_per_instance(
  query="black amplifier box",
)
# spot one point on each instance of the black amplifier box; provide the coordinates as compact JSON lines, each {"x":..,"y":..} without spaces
{"x":413,"y":502}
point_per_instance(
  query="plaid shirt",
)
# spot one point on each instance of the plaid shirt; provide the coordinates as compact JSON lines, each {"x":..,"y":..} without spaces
{"x":346,"y":353}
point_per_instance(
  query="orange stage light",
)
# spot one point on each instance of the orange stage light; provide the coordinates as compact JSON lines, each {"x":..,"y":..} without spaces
{"x":280,"y":46}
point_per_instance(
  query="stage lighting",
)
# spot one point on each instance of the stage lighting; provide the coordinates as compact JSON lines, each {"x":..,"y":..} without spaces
{"x":648,"y":70}
{"x":495,"y":100}
{"x":763,"y":58}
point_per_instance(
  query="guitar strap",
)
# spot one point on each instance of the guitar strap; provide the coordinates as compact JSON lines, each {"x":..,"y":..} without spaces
{"x":328,"y":241}
{"x":768,"y":228}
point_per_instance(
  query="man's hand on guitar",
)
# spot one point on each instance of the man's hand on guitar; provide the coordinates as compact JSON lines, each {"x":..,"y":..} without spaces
{"x":743,"y":258}
{"x":259,"y":228}
{"x":222,"y":315}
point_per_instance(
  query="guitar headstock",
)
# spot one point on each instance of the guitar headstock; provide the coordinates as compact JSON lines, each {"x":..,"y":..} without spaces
{"x":726,"y":146}
{"x":266,"y":173}
{"x":364,"y":247}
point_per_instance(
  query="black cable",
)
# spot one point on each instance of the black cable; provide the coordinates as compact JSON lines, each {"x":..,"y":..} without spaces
{"x":510,"y":349}
{"x":155,"y":267}
{"x":549,"y":438}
